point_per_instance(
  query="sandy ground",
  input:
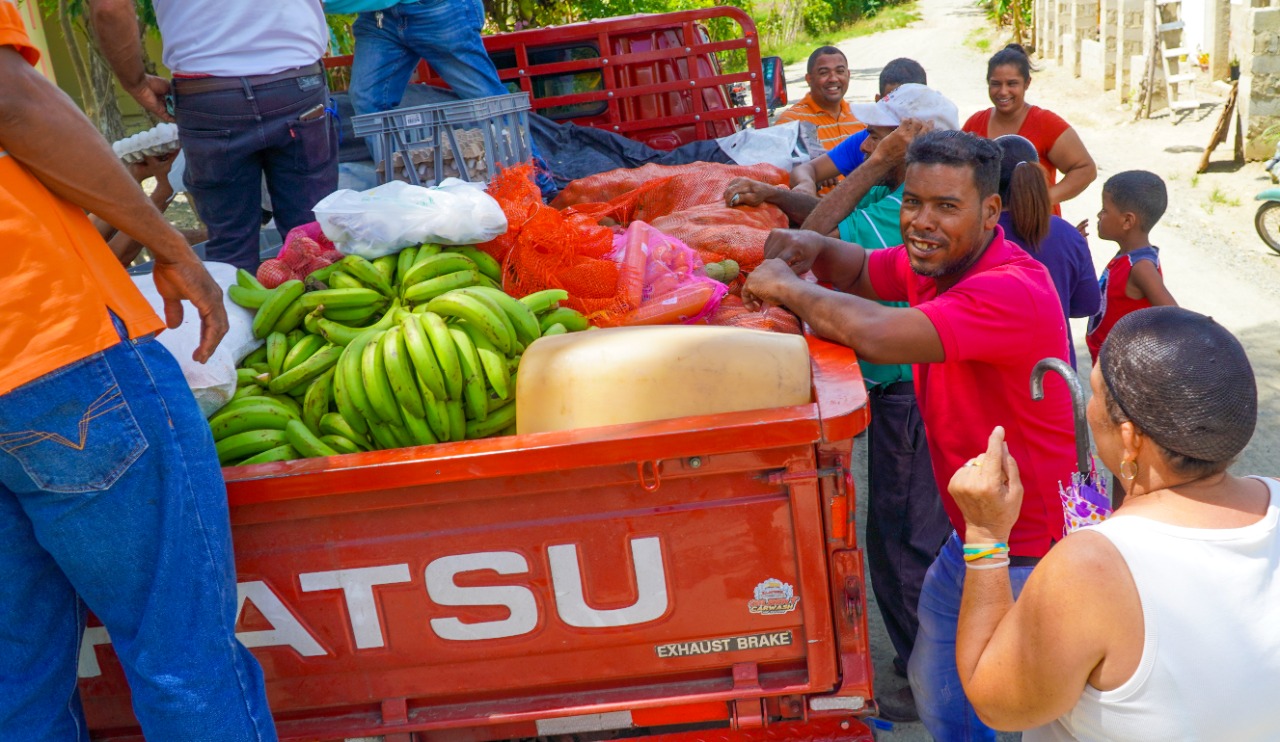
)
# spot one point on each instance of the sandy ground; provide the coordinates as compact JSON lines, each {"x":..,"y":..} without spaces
{"x":1213,"y":260}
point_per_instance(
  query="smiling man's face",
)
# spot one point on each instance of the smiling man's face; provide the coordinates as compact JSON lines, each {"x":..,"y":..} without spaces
{"x":829,"y":81}
{"x":945,"y":223}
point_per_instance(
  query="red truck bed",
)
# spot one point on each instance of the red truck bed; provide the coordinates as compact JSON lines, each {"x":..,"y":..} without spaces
{"x":652,"y":77}
{"x":647,"y":577}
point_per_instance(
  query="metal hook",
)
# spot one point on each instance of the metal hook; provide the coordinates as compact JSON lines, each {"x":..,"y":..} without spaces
{"x":657,"y":475}
{"x":1068,"y":375}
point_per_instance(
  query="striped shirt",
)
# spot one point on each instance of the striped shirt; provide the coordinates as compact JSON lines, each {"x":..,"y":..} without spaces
{"x":832,"y":130}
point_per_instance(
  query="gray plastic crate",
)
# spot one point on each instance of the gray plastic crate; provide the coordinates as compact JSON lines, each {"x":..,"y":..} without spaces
{"x":467,"y":139}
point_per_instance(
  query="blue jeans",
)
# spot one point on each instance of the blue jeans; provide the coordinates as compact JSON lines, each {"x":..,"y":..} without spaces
{"x":111,"y":500}
{"x":233,"y":137}
{"x":935,"y":680}
{"x":446,"y":33}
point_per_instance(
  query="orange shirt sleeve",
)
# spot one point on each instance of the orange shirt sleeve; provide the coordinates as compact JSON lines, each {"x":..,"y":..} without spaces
{"x":14,"y":34}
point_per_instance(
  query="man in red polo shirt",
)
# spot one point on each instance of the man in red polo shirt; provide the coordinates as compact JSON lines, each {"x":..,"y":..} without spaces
{"x":981,"y":314}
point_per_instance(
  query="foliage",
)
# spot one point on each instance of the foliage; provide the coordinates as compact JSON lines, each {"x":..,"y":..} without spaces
{"x":1015,"y":13}
{"x":897,"y":16}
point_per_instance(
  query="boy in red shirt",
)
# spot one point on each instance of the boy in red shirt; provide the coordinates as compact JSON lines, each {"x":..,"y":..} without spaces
{"x":982,"y":313}
{"x":1132,"y":203}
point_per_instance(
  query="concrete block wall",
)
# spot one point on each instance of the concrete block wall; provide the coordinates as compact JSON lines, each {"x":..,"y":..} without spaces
{"x":1217,"y":34}
{"x":1105,"y":77}
{"x":1128,"y":44}
{"x":1259,"y":94}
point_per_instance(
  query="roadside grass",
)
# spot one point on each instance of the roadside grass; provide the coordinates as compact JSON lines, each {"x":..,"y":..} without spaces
{"x":1218,"y":196}
{"x":979,"y":39}
{"x":894,"y":16}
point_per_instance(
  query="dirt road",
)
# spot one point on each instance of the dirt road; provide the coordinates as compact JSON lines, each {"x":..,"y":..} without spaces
{"x":1213,"y":261}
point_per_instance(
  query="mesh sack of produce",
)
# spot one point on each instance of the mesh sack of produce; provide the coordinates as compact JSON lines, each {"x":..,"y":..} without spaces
{"x":687,"y":202}
{"x":681,"y":187}
{"x":716,"y":232}
{"x":305,"y":251}
{"x":545,"y":248}
{"x":732,"y":313}
{"x":662,"y":278}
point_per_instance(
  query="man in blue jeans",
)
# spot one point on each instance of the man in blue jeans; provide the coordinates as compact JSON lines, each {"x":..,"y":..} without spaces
{"x":393,"y":35}
{"x":111,"y":498}
{"x":249,"y":95}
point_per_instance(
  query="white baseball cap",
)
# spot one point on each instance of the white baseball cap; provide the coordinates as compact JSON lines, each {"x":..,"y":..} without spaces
{"x":910,"y":101}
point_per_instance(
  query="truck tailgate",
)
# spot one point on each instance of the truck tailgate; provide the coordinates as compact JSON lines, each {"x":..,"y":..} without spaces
{"x":542,"y":582}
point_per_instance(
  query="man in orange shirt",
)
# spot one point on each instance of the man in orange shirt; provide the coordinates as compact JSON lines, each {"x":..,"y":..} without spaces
{"x":111,"y":497}
{"x":824,"y":106}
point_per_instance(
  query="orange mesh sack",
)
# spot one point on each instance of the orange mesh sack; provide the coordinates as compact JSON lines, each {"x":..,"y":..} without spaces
{"x":681,"y":187}
{"x":732,"y":313}
{"x":716,"y":232}
{"x":664,"y":277}
{"x":544,"y":248}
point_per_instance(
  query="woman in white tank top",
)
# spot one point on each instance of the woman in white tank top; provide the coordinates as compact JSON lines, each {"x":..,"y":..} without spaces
{"x":1163,"y":622}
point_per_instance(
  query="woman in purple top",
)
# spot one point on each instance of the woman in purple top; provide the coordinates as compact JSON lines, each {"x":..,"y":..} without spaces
{"x":1028,"y":221}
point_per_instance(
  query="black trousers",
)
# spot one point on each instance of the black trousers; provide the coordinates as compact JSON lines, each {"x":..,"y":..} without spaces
{"x":906,"y":523}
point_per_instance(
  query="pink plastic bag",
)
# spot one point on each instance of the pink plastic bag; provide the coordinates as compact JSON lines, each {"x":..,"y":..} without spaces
{"x":661,"y":278}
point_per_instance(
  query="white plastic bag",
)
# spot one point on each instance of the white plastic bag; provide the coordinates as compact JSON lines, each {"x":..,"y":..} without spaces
{"x":212,"y":383}
{"x":781,"y":146}
{"x":394,"y":215}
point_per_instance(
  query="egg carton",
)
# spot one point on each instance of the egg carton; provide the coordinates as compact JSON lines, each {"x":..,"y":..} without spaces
{"x":160,"y":139}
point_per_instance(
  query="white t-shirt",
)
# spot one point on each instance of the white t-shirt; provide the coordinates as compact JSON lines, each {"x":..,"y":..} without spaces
{"x":237,"y":38}
{"x":1210,"y":666}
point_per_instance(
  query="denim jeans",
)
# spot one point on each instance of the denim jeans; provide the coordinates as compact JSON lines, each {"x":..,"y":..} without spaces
{"x":906,"y":523}
{"x":446,"y":33}
{"x":111,"y":500}
{"x":935,"y":679}
{"x":233,"y":137}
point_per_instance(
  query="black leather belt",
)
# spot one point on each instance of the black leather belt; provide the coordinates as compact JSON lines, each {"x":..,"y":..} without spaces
{"x":197,"y":85}
{"x":897,"y":387}
{"x":1024,"y":561}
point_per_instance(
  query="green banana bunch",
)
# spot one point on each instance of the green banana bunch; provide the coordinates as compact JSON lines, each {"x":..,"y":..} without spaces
{"x":271,"y":310}
{"x":476,"y":312}
{"x":347,"y":367}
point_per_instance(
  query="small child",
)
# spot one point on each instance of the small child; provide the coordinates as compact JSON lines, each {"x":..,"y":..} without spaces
{"x":1132,"y":203}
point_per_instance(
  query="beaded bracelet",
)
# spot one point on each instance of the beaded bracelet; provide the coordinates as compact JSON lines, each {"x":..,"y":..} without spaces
{"x":974,"y":552}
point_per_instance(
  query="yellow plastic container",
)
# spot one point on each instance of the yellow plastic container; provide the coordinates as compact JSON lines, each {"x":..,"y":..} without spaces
{"x":636,"y":374}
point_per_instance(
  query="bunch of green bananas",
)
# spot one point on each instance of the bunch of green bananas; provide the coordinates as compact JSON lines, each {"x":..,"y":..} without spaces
{"x":409,"y":349}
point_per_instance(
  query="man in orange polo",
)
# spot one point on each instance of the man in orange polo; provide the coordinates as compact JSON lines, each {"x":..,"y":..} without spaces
{"x":111,"y":497}
{"x":824,"y":106}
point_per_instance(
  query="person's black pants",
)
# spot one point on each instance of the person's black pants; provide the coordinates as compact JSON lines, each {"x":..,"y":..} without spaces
{"x":906,"y":523}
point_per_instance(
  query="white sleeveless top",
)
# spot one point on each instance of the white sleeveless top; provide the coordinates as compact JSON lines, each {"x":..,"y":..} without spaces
{"x":1210,"y":667}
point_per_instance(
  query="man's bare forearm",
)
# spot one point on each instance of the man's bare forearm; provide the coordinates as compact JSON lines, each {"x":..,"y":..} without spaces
{"x":44,"y":130}
{"x":841,"y":201}
{"x":877,"y":333}
{"x":115,"y":23}
{"x":797,"y":206}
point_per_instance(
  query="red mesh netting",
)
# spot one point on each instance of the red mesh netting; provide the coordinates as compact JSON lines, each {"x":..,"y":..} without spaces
{"x":544,"y":248}
{"x":305,"y":251}
{"x":732,"y":313}
{"x":684,"y":201}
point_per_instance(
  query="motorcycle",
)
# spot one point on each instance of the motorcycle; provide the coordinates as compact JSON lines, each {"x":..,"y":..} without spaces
{"x":1267,"y":220}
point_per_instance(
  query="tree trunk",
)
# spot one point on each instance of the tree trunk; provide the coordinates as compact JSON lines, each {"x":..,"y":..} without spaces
{"x":107,"y":115}
{"x":77,"y":59}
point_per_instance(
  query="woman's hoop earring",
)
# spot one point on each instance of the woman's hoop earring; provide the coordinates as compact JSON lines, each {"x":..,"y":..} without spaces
{"x":1128,"y":476}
